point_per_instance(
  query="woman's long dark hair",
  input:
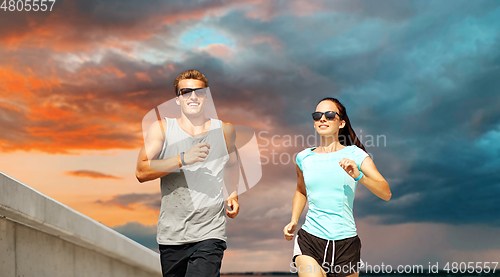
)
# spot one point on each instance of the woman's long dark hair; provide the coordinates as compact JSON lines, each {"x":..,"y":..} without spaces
{"x":347,"y":136}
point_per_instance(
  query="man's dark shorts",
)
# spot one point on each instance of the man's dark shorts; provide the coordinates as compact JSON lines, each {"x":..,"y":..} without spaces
{"x":203,"y":258}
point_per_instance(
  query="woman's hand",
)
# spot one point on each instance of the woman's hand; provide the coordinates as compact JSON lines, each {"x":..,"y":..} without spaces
{"x":350,"y":167}
{"x":289,"y":230}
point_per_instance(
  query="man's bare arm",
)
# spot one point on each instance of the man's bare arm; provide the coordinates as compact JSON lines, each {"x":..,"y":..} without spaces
{"x":231,"y":170}
{"x":148,"y":168}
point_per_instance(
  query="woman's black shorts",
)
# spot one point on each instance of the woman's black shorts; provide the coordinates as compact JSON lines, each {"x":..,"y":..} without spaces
{"x":346,"y":253}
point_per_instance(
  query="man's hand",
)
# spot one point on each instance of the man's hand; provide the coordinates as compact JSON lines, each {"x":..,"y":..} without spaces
{"x":197,"y":153}
{"x":235,"y":207}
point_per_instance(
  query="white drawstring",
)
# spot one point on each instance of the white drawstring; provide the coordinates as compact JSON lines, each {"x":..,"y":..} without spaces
{"x":333,"y":253}
{"x":326,"y":250}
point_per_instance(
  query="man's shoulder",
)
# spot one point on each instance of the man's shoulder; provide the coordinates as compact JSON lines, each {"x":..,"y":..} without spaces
{"x":158,"y":128}
{"x":228,"y":127}
{"x":229,"y":132}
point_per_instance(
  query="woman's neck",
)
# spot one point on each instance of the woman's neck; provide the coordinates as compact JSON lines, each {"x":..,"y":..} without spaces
{"x":330,"y":143}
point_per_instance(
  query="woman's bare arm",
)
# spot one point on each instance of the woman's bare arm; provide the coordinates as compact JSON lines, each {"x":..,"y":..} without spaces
{"x":373,"y":180}
{"x":299,"y":202}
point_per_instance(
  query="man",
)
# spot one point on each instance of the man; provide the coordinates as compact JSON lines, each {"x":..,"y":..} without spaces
{"x":191,"y":155}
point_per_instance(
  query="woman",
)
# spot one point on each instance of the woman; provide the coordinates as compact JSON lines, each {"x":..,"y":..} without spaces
{"x":327,"y":244}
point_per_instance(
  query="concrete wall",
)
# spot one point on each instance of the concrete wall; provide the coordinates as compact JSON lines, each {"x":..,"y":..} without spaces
{"x":42,"y":237}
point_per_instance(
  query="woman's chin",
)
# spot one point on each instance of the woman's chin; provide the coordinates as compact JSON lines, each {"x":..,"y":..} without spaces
{"x":325,"y":132}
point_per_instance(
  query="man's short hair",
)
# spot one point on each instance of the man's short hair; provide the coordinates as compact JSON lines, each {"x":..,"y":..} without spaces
{"x":190,"y":74}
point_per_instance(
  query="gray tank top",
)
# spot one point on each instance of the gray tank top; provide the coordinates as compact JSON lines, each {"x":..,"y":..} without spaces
{"x":192,"y":204}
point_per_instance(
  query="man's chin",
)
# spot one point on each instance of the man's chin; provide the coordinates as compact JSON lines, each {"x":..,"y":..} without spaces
{"x":190,"y":112}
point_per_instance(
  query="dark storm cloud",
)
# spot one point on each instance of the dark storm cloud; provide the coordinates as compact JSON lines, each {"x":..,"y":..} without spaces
{"x":431,"y":103}
{"x":451,"y":152}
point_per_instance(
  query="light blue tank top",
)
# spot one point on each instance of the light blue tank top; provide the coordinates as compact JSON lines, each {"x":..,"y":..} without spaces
{"x":330,"y":192}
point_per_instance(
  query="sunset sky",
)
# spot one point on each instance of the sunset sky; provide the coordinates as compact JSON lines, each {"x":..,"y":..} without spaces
{"x":423,"y":76}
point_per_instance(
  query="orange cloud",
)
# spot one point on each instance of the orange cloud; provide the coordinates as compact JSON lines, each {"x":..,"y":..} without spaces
{"x":143,"y":76}
{"x":49,"y":111}
{"x":9,"y":106}
{"x":218,"y":50}
{"x":90,"y":174}
{"x":67,"y":139}
{"x":113,"y":215}
{"x":267,"y":10}
{"x":12,"y":83}
{"x":109,"y":69}
{"x":58,"y":117}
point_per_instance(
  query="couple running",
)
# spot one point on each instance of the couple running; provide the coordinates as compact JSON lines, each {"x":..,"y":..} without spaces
{"x":194,"y":156}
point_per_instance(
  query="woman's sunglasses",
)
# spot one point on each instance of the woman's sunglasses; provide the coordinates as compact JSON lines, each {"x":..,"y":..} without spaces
{"x":186,"y":92}
{"x":330,"y":115}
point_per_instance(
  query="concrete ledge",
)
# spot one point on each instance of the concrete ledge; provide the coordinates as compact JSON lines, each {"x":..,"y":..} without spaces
{"x":23,"y":205}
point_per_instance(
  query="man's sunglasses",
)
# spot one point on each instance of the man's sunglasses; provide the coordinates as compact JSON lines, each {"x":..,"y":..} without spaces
{"x":330,"y":115}
{"x":186,"y":92}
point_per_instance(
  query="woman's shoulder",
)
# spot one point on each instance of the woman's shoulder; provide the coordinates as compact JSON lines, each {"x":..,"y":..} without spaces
{"x":355,"y":148}
{"x":357,"y":154}
{"x":302,"y":154}
{"x":305,"y":151}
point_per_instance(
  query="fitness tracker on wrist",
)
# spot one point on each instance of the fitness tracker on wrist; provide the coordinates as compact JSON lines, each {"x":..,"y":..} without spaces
{"x":182,"y":159}
{"x":359,"y":177}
